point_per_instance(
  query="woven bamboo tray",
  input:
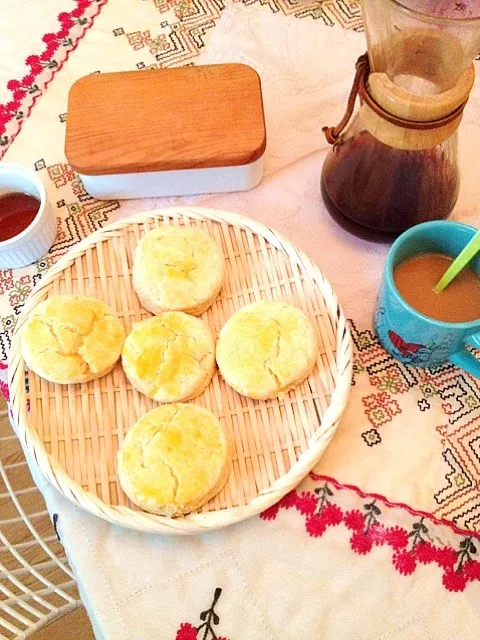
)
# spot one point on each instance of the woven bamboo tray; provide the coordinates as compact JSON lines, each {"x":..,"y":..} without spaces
{"x":73,"y":432}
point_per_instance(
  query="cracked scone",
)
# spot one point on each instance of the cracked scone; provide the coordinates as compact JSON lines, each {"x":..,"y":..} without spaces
{"x":178,"y":269}
{"x":266,"y":348}
{"x":170,"y":357}
{"x":69,"y":339}
{"x":174,"y":459}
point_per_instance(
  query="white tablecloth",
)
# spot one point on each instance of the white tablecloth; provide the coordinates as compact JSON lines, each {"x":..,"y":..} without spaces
{"x":305,"y":570}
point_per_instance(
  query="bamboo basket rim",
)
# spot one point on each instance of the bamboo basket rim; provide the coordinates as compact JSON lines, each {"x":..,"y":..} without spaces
{"x":197,"y":522}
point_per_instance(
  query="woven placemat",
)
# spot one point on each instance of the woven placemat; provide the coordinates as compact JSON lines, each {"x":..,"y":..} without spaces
{"x":75,"y":430}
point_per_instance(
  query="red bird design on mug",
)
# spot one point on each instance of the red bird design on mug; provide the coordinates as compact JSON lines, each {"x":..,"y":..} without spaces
{"x":405,"y":348}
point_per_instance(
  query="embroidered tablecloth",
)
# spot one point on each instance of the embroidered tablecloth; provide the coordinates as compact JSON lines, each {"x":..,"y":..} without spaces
{"x":348,"y":564}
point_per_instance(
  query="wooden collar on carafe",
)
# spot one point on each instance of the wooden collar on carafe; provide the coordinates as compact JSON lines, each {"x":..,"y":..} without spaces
{"x":399,"y":118}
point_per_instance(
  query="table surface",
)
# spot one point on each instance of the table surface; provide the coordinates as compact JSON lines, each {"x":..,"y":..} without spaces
{"x":408,"y":434}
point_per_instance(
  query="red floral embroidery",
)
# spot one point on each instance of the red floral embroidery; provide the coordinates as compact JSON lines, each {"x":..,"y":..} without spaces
{"x":289,"y":500}
{"x":29,"y":88}
{"x":396,"y":537}
{"x":5,"y":390}
{"x":306,"y":503}
{"x":426,"y":553}
{"x":186,"y":632}
{"x":404,"y":562}
{"x":270,"y":513}
{"x":471,"y":570}
{"x":208,"y":618}
{"x":332,"y":514}
{"x":409,"y":548}
{"x":361,"y":543}
{"x":3,"y":385}
{"x":454,"y":581}
{"x":445,"y":557}
{"x":315,"y":526}
{"x":354,"y":520}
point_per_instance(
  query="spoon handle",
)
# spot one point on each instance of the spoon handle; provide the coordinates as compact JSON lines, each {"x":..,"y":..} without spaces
{"x":460,"y":262}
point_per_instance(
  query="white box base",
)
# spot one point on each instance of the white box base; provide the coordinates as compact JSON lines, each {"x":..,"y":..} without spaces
{"x":185,"y":182}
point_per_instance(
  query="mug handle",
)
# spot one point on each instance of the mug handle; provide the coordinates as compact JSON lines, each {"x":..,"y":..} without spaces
{"x":466,"y":360}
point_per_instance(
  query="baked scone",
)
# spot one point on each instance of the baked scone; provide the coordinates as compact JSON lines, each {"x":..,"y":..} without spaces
{"x":170,"y":357}
{"x":266,"y":348}
{"x":178,"y":269}
{"x":69,"y":339}
{"x":174,"y":459}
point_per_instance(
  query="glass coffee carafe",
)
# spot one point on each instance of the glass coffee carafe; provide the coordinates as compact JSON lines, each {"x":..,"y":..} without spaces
{"x":395,"y":164}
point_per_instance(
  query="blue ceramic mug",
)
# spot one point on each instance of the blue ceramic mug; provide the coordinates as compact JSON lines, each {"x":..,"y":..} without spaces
{"x":408,"y":335}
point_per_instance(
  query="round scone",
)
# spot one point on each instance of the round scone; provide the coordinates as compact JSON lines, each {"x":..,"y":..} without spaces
{"x":178,"y":269}
{"x":174,"y":459}
{"x":266,"y":348}
{"x":170,"y":357}
{"x":69,"y":339}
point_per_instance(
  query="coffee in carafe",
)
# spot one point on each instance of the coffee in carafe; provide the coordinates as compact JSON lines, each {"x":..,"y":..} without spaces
{"x":396,"y":164}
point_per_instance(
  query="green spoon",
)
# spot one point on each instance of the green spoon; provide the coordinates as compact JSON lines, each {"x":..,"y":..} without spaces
{"x":460,"y":262}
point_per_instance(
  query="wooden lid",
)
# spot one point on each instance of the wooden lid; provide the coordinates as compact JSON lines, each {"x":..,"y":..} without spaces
{"x":165,"y":119}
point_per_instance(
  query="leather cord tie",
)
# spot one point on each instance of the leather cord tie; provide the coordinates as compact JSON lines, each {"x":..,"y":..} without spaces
{"x":360,"y":88}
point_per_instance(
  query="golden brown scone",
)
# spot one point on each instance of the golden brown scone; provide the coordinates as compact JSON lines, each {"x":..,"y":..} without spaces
{"x":70,"y":339}
{"x":170,"y":357}
{"x":178,"y":269}
{"x":174,"y":459}
{"x":266,"y":348}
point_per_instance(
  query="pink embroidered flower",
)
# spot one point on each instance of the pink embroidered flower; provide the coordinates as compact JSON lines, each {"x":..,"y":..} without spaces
{"x":446,"y":557}
{"x":378,"y":534}
{"x":471,"y":570}
{"x":270,"y":513}
{"x":404,"y":563}
{"x":4,"y":389}
{"x":306,"y":503}
{"x":33,"y":62}
{"x":65,"y":18}
{"x":13,"y":84}
{"x":186,"y":632}
{"x":396,"y":537}
{"x":354,"y":520}
{"x":454,"y":581}
{"x":426,"y":553}
{"x":361,"y":543}
{"x":50,"y":50}
{"x":332,"y":514}
{"x":27,"y":80}
{"x":49,"y":37}
{"x":288,"y":501}
{"x":315,"y":526}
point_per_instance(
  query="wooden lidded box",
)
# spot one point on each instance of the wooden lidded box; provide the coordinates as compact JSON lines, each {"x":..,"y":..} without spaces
{"x":165,"y":132}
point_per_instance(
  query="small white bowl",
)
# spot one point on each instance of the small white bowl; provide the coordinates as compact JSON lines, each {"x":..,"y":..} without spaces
{"x":34,"y":241}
